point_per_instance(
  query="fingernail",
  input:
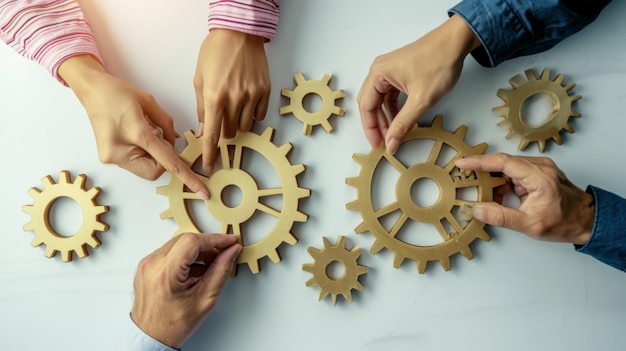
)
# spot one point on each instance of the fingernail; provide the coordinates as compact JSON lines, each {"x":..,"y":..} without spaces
{"x":392,"y":146}
{"x":204,"y":195}
{"x":466,"y":212}
{"x":479,"y":213}
{"x":199,"y":129}
{"x":177,"y":135}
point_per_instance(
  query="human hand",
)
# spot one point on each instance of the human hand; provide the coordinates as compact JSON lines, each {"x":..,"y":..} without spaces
{"x":552,"y":208}
{"x":178,"y":285}
{"x":232,"y":85}
{"x":425,"y":70}
{"x":131,"y":129}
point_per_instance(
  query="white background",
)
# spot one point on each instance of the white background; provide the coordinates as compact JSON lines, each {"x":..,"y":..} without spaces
{"x":516,"y":294}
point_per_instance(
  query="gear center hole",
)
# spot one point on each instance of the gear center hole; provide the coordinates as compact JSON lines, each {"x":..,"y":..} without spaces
{"x":425,"y":192}
{"x":232,"y":196}
{"x":65,"y":216}
{"x":312,"y":102}
{"x":335,"y":270}
{"x":538,"y":108}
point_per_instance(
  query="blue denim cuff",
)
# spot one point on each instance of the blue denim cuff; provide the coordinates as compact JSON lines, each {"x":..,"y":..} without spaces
{"x":607,"y":242}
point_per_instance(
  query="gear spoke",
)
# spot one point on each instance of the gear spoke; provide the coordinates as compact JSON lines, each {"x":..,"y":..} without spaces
{"x":270,"y":192}
{"x":434,"y":153}
{"x":392,"y":207}
{"x":225,"y":155}
{"x":452,"y":220}
{"x":395,"y":163}
{"x":450,"y":165}
{"x":268,"y":210}
{"x":238,"y":157}
{"x":398,"y":225}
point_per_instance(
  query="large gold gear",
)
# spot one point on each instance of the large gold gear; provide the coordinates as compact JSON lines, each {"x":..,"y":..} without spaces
{"x":329,"y":254}
{"x":448,"y":178}
{"x":320,"y":88}
{"x":232,"y":174}
{"x":40,"y":222}
{"x":525,"y":88}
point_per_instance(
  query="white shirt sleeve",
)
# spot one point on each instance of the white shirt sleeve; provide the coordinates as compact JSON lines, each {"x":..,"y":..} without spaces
{"x":131,"y":338}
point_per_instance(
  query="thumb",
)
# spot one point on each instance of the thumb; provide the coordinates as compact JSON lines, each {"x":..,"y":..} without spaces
{"x":215,"y":277}
{"x":497,"y":215}
{"x":402,"y":124}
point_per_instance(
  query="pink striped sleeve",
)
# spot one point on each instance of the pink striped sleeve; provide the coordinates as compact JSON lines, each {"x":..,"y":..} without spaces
{"x":46,"y":31}
{"x":257,"y":17}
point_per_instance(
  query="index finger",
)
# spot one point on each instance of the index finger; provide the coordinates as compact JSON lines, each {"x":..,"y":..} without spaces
{"x":212,"y":129}
{"x":513,"y":166}
{"x":164,"y":154}
{"x":187,"y":249}
{"x":370,"y":105}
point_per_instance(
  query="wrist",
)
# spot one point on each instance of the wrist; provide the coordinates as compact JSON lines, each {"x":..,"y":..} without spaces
{"x":461,"y":36}
{"x":237,"y":36}
{"x":80,"y":72}
{"x":586,"y":220}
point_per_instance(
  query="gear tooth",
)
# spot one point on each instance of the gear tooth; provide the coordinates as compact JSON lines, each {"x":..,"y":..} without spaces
{"x":93,"y":192}
{"x":327,"y":127}
{"x":445,"y":263}
{"x":461,"y":131}
{"x":467,"y":252}
{"x":339,"y":94}
{"x":326,"y":79}
{"x":94,"y":242}
{"x":50,"y":252}
{"x":98,"y":210}
{"x":285,"y":110}
{"x":360,"y":159}
{"x":326,"y":242}
{"x":268,"y":133}
{"x":523,"y":143}
{"x":28,"y":227}
{"x":81,"y":251}
{"x":542,"y":145}
{"x":166,"y":214}
{"x":569,"y":129}
{"x":64,"y":177}
{"x":530,"y":75}
{"x":516,"y":81}
{"x":36,"y":241}
{"x":290,"y":239}
{"x":480,"y":148}
{"x":361,"y":228}
{"x":353,"y":181}
{"x":397,"y":260}
{"x":285,"y":148}
{"x":34,"y":192}
{"x":47,"y":181}
{"x":557,"y":139}
{"x":323,"y":294}
{"x":353,"y":205}
{"x":303,"y":192}
{"x":101,"y":227}
{"x":501,"y":110}
{"x":575,"y":114}
{"x":504,"y":94}
{"x":341,"y":242}
{"x":313,"y":251}
{"x":569,"y":87}
{"x":299,"y":78}
{"x":359,"y":286}
{"x":362,"y":270}
{"x":421,"y":266}
{"x":254,"y":265}
{"x":482,"y":235}
{"x":437,"y":122}
{"x":510,"y":134}
{"x":308,"y":267}
{"x":311,"y":282}
{"x":376,"y":247}
{"x":163,"y":190}
{"x":575,"y":98}
{"x":300,"y":217}
{"x":80,"y":181}
{"x":274,"y":256}
{"x":66,"y":255}
{"x":334,"y":296}
{"x":338,"y":111}
{"x":297,"y":169}
{"x":27,"y":209}
{"x":189,"y":136}
{"x":286,"y":93}
{"x":348,"y":296}
{"x":545,"y":74}
{"x":558,"y":79}
{"x":307,"y":129}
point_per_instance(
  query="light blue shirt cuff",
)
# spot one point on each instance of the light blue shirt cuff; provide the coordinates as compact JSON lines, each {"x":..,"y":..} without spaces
{"x":131,"y":338}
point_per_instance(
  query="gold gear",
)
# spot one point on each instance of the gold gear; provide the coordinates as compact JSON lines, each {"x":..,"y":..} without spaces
{"x":231,"y":218}
{"x":522,"y":90}
{"x":329,"y":254}
{"x":320,"y":88}
{"x":448,"y":178}
{"x":40,"y":222}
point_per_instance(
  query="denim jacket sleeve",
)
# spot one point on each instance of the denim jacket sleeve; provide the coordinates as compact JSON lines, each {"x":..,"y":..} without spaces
{"x":607,"y":242}
{"x":512,"y":28}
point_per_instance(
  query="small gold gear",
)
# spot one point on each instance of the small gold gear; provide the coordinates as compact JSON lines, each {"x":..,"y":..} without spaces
{"x":329,"y":254}
{"x":525,"y":88}
{"x":40,"y":222}
{"x":448,"y":178}
{"x":320,"y":88}
{"x":231,"y":218}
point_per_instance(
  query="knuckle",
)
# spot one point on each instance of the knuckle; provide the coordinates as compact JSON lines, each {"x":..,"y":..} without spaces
{"x":402,"y":126}
{"x":189,"y":239}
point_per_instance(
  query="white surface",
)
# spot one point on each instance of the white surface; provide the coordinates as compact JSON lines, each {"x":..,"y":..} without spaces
{"x":517,"y":294}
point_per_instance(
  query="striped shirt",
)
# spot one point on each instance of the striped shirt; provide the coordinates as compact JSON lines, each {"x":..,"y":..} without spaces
{"x":51,"y":31}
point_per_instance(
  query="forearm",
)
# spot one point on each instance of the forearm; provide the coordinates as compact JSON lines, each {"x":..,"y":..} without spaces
{"x":512,"y":28}
{"x":256,"y":17}
{"x":46,"y":31}
{"x":607,"y":242}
